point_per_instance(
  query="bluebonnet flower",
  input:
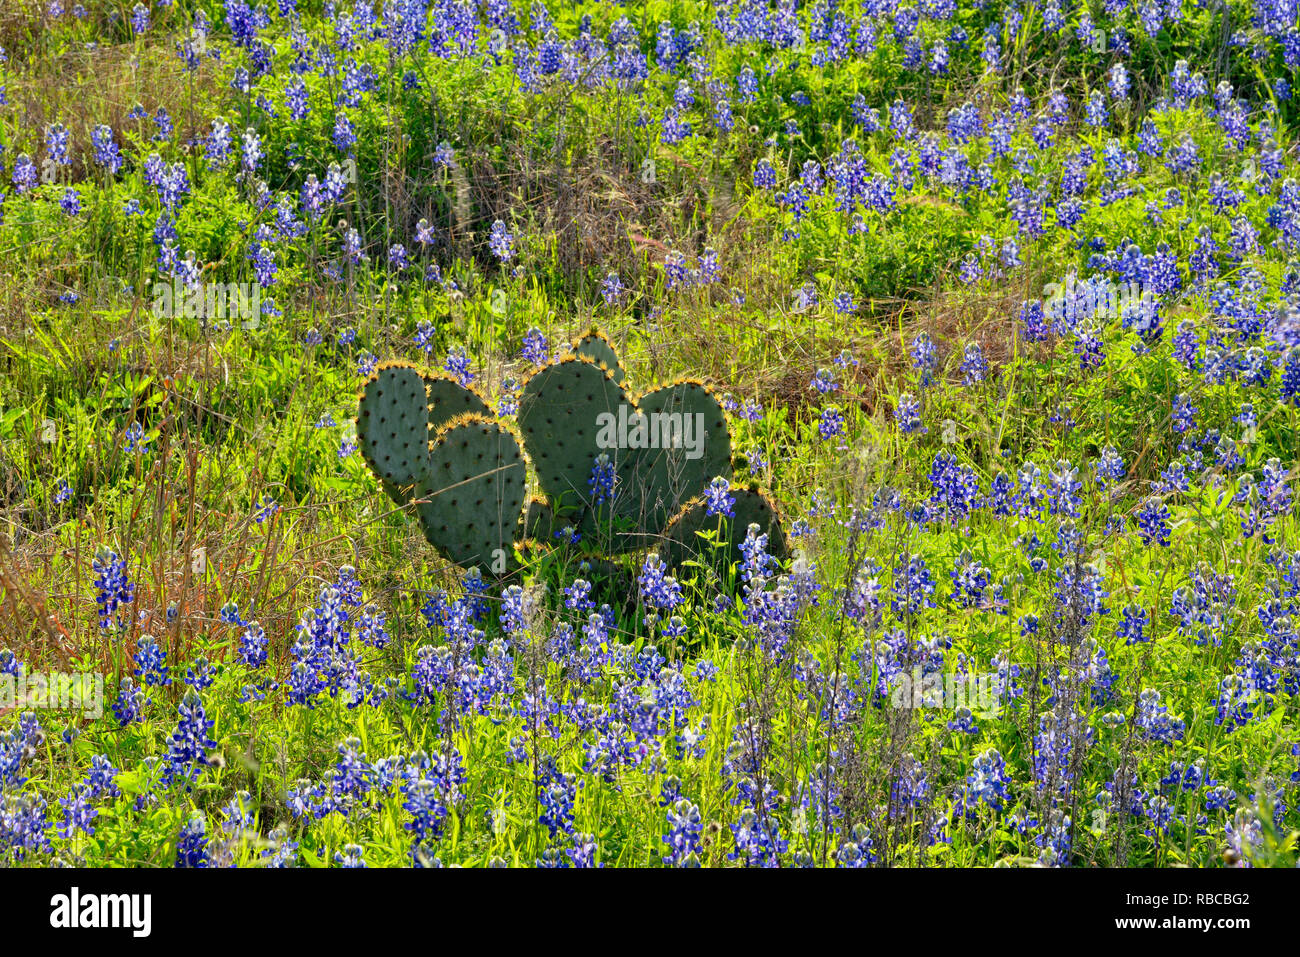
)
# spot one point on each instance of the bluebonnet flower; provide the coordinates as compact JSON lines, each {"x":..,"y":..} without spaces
{"x":556,"y":796}
{"x":1063,"y":498}
{"x":857,"y":852}
{"x":515,"y":609}
{"x":722,"y":116}
{"x":913,"y":586}
{"x":673,"y":129}
{"x":956,"y":487}
{"x":970,"y":580}
{"x":824,"y":381}
{"x":758,"y":841}
{"x":345,"y":134}
{"x":296,"y":98}
{"x":924,"y":356}
{"x":130,"y":703}
{"x":112,"y":587}
{"x":830,"y":423}
{"x":508,"y":400}
{"x":70,"y":202}
{"x":371,"y":628}
{"x":611,"y":288}
{"x":708,"y":263}
{"x":658,"y":590}
{"x":1095,"y":112}
{"x":683,"y":838}
{"x":189,"y":745}
{"x":201,"y":675}
{"x":501,"y":242}
{"x":1133,"y":627}
{"x":78,"y":815}
{"x":253,"y":645}
{"x":973,"y":365}
{"x":908,"y":414}
{"x":192,"y":843}
{"x":424,"y":336}
{"x":350,"y":856}
{"x":1109,"y":467}
{"x":603,"y":480}
{"x":535,"y":347}
{"x":134,"y":439}
{"x":1118,"y":81}
{"x":266,"y":507}
{"x":1184,"y":413}
{"x":1153,"y":521}
{"x":1154,"y":721}
{"x":577,"y":595}
{"x":139,"y":19}
{"x":805,"y":297}
{"x":458,"y":365}
{"x":987,"y":784}
{"x":719,"y":499}
{"x":106,"y":150}
{"x":251,"y":154}
{"x":675,"y":627}
{"x":431,"y":788}
{"x":1079,"y":595}
{"x":56,"y":143}
{"x":1056,"y":745}
{"x":24,"y":174}
{"x":583,"y":851}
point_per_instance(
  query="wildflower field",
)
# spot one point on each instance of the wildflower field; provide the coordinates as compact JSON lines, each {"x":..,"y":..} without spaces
{"x":693,"y":433}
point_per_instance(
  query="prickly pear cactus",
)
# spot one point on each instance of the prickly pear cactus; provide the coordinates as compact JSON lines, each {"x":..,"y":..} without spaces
{"x":392,"y":424}
{"x":594,"y":345}
{"x":448,"y":399}
{"x":537,"y":524}
{"x":472,"y":493}
{"x":683,"y":540}
{"x":560,"y":409}
{"x":658,"y":454}
{"x":655,"y":483}
{"x":469,"y":481}
{"x":664,"y":448}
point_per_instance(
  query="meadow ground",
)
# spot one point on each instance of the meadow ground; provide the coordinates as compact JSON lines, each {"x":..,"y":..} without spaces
{"x":994,"y":307}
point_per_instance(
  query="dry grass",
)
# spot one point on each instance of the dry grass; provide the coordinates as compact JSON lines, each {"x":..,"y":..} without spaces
{"x":83,"y":87}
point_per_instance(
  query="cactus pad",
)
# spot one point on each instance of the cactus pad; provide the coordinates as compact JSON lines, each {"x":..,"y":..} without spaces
{"x":559,"y":411}
{"x":595,"y":346}
{"x":682,"y":541}
{"x":392,"y":424}
{"x":537,"y":523}
{"x":654,"y":486}
{"x":448,"y":399}
{"x":473,"y":493}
